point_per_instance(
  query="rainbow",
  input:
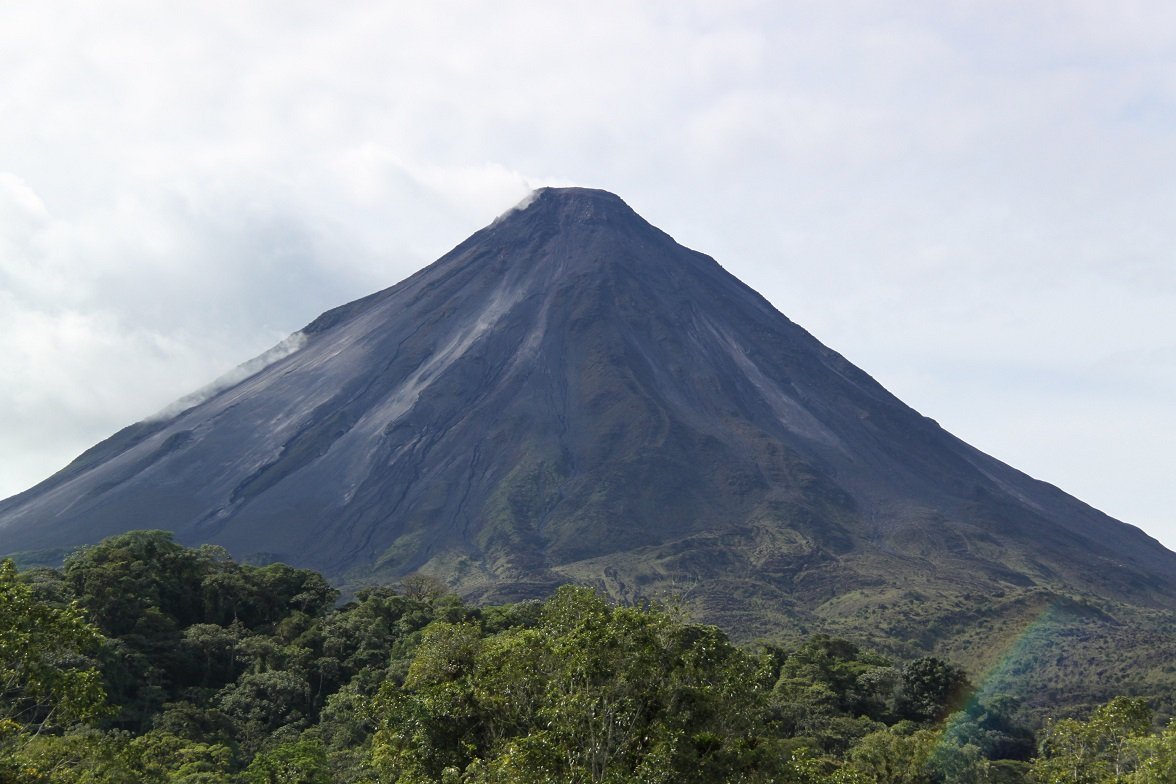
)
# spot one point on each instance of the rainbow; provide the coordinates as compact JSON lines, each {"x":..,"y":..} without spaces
{"x":1019,"y":656}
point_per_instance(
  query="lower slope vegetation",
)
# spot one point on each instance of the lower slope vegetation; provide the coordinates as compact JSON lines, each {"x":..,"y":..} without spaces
{"x":141,"y":660}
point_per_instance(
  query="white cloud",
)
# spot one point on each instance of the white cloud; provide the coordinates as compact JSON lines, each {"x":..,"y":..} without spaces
{"x":251,"y":367}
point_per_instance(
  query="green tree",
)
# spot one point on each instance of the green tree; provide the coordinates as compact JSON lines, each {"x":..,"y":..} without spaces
{"x":82,"y":756}
{"x":1101,"y":749}
{"x":1155,"y":757}
{"x":165,"y":757}
{"x":931,"y":689}
{"x":989,"y":725}
{"x":592,"y":693}
{"x":895,"y":756}
{"x":46,"y":679}
{"x":261,"y":702}
{"x":303,"y":761}
{"x":137,"y":583}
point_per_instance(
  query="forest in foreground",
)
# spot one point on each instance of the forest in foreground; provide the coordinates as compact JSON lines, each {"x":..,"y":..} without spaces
{"x":145,"y":661}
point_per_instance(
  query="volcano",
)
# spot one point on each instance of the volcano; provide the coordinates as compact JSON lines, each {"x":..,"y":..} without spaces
{"x":571,"y":395}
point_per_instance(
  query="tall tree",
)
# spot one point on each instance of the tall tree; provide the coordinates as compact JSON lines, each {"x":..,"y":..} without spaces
{"x":46,"y":677}
{"x":1100,"y":749}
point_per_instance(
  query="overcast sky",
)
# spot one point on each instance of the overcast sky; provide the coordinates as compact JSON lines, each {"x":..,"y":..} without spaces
{"x":975,"y":202}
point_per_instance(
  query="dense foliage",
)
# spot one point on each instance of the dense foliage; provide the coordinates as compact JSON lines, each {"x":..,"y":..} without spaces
{"x":142,"y":660}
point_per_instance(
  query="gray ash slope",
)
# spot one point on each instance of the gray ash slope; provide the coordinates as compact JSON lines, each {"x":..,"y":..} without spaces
{"x":569,"y":394}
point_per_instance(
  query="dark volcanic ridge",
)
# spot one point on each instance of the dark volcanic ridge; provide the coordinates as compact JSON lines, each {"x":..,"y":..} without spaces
{"x":570,"y":394}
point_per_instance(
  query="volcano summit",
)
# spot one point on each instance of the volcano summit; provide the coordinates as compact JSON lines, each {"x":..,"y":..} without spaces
{"x":571,"y":395}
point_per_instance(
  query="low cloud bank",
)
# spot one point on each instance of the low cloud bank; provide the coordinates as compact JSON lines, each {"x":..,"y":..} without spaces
{"x":232,"y":378}
{"x":522,"y":205}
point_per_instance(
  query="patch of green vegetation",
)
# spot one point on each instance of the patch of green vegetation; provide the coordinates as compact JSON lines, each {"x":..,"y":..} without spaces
{"x":32,"y":558}
{"x":515,"y":512}
{"x":141,"y":660}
